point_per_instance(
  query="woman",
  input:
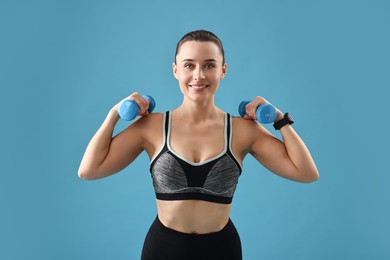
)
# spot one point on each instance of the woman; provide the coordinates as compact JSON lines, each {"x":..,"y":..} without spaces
{"x":196,"y":154}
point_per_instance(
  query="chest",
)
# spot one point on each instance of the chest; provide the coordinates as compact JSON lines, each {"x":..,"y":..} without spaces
{"x":197,"y":143}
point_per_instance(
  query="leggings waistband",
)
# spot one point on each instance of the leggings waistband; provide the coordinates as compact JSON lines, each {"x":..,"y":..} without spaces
{"x":163,"y":243}
{"x":171,"y":232}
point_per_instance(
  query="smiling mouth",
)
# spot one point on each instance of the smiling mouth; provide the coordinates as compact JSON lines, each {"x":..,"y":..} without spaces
{"x":198,"y":86}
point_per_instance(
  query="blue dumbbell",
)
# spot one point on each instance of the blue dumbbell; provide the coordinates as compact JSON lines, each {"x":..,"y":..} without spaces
{"x":129,"y":109}
{"x":264,"y":114}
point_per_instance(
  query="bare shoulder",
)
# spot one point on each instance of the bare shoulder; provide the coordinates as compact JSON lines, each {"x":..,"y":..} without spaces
{"x":250,"y":131}
{"x":244,"y":135}
{"x":149,"y":129}
{"x":147,"y":125}
{"x":247,"y":133}
{"x":150,"y":120}
{"x":249,"y":128}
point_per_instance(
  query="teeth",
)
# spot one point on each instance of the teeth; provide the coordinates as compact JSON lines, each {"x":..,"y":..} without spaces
{"x":198,"y":87}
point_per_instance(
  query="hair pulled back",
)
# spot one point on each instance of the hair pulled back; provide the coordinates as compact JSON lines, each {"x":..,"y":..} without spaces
{"x":201,"y":36}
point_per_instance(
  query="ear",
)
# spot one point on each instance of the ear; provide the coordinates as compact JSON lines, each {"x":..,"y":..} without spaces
{"x":174,"y":69}
{"x":224,"y":68}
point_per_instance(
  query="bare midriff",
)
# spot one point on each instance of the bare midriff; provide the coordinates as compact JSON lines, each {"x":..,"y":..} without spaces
{"x":193,"y":216}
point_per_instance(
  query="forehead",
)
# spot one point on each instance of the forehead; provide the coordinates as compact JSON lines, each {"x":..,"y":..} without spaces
{"x":199,"y":50}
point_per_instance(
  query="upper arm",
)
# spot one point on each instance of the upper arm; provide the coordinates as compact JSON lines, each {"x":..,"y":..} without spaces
{"x":124,"y":149}
{"x":271,"y":153}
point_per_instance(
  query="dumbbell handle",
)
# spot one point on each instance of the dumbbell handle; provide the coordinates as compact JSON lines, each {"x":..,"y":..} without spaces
{"x":264,"y":114}
{"x":129,"y":109}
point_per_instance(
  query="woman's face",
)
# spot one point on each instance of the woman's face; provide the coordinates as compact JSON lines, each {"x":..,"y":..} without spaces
{"x":199,"y":69}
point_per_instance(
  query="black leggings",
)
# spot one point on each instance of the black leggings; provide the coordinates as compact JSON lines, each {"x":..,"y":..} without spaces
{"x":162,"y":243}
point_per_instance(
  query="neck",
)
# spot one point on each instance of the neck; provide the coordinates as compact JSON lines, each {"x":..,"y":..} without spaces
{"x":198,"y":111}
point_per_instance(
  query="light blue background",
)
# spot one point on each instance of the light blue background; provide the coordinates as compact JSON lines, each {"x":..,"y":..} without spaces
{"x":64,"y":64}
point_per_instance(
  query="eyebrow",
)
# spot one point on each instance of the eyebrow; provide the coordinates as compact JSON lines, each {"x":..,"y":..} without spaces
{"x":208,"y":60}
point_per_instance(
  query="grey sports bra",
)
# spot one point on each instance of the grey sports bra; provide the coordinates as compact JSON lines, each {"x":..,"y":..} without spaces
{"x":176,"y":178}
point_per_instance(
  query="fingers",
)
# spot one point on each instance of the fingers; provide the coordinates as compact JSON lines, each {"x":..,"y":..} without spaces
{"x":142,"y":103}
{"x":252,"y":106}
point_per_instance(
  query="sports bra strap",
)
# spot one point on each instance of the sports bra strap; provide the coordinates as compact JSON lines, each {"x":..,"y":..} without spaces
{"x":167,"y":124}
{"x":229,"y":150}
{"x":228,"y":130}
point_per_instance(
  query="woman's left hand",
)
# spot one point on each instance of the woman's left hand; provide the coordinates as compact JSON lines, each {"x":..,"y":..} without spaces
{"x":252,"y":106}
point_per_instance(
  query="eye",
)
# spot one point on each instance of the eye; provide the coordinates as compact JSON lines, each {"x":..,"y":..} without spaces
{"x":188,"y":65}
{"x":209,"y":66}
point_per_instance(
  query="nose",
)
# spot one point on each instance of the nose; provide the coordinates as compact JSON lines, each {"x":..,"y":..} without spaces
{"x":198,"y":74}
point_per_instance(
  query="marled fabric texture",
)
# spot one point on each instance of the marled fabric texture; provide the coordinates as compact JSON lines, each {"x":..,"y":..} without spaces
{"x":169,"y":177}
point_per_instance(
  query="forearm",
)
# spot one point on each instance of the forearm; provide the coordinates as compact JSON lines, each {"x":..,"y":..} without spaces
{"x":299,"y":154}
{"x":99,"y":145}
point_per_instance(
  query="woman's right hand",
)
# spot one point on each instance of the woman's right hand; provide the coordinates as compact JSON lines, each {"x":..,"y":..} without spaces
{"x":142,"y":102}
